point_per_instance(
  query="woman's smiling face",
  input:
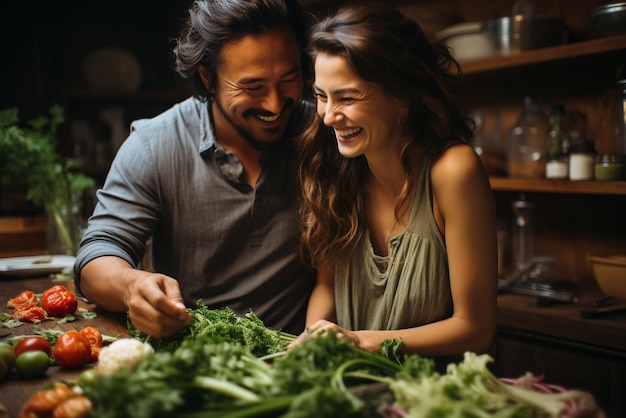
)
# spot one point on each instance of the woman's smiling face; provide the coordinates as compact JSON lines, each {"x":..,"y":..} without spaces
{"x":366,"y":119}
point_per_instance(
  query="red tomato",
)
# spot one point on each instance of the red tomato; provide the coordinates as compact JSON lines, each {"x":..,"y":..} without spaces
{"x":72,"y":350}
{"x":95,"y":341}
{"x":58,"y":301}
{"x":24,"y":300}
{"x":32,"y":314}
{"x":32,"y":344}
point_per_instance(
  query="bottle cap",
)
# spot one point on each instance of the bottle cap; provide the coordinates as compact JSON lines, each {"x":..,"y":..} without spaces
{"x":610,"y":158}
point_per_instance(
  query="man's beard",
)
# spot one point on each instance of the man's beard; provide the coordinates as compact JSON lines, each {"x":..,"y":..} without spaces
{"x":246,"y":134}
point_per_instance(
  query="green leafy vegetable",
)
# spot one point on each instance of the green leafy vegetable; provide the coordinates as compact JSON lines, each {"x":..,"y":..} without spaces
{"x":469,"y":389}
{"x":247,"y":330}
{"x":202,"y":374}
{"x":209,"y":375}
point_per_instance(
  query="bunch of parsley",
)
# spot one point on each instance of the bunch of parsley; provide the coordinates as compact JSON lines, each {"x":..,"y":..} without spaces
{"x":248,"y":330}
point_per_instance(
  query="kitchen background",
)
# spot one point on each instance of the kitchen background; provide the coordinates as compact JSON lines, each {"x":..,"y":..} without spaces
{"x":108,"y":63}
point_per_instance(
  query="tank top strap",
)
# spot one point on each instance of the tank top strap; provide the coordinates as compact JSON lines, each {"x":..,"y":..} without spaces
{"x":422,"y":200}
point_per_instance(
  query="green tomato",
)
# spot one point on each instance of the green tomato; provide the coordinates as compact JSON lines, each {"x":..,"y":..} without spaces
{"x":7,"y":354}
{"x":4,"y":369}
{"x":32,"y":363}
{"x":88,"y":378}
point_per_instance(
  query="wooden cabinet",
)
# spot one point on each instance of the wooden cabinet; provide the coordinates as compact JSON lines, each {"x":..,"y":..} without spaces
{"x":556,"y":342}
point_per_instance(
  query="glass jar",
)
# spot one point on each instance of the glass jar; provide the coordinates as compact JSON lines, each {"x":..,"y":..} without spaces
{"x":610,"y":167}
{"x":582,"y":160}
{"x":65,"y":228}
{"x":557,"y":165}
{"x":527,"y":142}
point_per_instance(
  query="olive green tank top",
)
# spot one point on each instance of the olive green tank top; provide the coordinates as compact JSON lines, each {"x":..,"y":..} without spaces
{"x":409,"y":287}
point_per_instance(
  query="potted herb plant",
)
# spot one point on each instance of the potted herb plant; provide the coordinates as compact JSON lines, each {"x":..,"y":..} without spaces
{"x":29,"y":157}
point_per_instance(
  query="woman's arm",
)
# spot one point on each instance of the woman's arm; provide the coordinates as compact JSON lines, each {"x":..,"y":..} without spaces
{"x":322,"y":301}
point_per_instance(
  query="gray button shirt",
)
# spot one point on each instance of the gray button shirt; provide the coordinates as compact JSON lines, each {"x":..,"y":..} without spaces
{"x":224,"y":241}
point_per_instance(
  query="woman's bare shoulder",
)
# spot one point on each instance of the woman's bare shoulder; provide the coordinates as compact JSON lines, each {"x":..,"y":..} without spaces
{"x":457,"y":163}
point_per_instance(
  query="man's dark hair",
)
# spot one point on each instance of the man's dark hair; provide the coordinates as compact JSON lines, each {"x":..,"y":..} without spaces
{"x":213,"y":23}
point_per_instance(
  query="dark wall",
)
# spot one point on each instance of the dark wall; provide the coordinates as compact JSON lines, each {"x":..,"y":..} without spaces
{"x":44,"y":43}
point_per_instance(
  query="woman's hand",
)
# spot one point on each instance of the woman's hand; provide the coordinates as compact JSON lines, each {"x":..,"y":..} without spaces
{"x":323,"y":326}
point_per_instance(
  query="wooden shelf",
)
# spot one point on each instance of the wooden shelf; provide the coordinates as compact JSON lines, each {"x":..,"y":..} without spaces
{"x":513,"y":184}
{"x":23,"y":224}
{"x":23,"y":235}
{"x":607,"y":45}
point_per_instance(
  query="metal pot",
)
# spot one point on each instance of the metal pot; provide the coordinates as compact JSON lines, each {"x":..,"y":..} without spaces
{"x":521,"y":33}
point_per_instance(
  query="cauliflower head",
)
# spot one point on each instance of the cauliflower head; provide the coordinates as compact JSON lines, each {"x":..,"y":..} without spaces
{"x":123,"y":353}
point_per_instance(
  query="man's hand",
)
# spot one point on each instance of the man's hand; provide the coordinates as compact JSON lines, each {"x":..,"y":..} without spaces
{"x":155,"y":305}
{"x":153,"y":301}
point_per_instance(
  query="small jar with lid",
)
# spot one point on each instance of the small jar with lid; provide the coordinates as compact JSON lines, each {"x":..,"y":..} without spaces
{"x":557,"y":166}
{"x":610,"y":167}
{"x":582,"y":160}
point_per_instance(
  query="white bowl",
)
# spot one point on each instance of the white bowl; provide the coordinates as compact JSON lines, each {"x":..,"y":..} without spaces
{"x":468,"y":41}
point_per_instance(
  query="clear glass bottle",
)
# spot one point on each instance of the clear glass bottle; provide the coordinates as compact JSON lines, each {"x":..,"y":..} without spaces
{"x":527,"y":142}
{"x":557,"y":163}
{"x":522,"y":232}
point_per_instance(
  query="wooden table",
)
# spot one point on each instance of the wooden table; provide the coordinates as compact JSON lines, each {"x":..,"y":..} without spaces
{"x":16,"y":390}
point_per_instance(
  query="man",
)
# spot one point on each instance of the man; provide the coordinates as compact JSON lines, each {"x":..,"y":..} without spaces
{"x":210,"y":180}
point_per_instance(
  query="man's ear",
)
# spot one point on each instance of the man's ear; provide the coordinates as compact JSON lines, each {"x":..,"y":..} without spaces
{"x":205,"y":77}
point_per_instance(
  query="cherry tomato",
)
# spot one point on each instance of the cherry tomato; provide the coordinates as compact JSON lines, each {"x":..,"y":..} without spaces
{"x":32,"y":314}
{"x":32,"y":344}
{"x":32,"y":363}
{"x":58,"y":301}
{"x":7,"y":354}
{"x":88,"y":378}
{"x":26,"y":299}
{"x":72,"y":350}
{"x":94,"y":336}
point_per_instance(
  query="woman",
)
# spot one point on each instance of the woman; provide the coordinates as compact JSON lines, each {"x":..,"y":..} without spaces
{"x":399,"y":217}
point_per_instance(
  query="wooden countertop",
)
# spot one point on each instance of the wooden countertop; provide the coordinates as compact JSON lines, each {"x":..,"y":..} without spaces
{"x":15,"y":391}
{"x":564,"y":320}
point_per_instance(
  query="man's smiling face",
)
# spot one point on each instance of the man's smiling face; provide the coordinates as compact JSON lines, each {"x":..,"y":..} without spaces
{"x":258,"y":83}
